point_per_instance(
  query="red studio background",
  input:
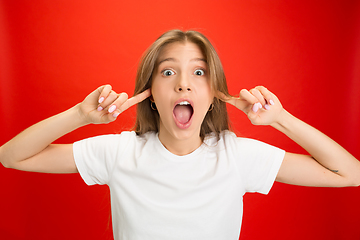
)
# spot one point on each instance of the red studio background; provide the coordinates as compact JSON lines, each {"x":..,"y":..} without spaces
{"x":53,"y":53}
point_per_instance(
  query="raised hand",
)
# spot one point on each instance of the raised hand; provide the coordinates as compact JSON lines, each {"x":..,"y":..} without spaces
{"x":260,"y":105}
{"x":104,"y":105}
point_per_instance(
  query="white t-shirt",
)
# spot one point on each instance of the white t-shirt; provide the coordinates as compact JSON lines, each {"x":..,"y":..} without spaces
{"x":158,"y":195}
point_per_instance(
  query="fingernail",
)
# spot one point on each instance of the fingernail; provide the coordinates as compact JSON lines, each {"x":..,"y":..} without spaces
{"x":112,"y":108}
{"x":255,"y":108}
{"x":99,"y":108}
{"x":267,"y":106}
{"x":101,"y":99}
{"x":271,"y":102}
{"x":260,"y":106}
{"x":116,"y":114}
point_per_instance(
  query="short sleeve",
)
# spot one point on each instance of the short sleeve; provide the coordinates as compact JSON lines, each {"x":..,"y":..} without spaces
{"x":258,"y":164}
{"x":95,"y":157}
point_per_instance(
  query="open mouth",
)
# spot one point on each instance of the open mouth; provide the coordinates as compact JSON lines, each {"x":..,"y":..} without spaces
{"x":183,"y":112}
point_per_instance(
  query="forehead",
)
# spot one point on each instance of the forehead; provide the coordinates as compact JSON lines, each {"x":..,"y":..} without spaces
{"x":180,"y":51}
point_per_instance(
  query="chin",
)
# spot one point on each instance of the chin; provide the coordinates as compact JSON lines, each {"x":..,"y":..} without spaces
{"x":181,"y":134}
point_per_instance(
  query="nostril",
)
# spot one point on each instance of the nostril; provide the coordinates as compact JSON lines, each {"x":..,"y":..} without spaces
{"x":181,"y":89}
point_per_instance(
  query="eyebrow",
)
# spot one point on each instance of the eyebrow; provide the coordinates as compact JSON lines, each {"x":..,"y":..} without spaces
{"x":175,"y":60}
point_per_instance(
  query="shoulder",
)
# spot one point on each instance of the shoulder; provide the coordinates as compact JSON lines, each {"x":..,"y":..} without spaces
{"x":109,"y":138}
{"x":114,"y":140}
{"x":125,"y":135}
{"x":229,"y":141}
{"x":111,"y":146}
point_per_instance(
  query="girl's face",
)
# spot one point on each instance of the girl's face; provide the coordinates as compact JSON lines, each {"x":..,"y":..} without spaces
{"x":181,"y":91}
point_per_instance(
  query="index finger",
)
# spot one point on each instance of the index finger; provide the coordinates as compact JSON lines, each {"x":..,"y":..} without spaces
{"x":135,"y":99}
{"x":226,"y":99}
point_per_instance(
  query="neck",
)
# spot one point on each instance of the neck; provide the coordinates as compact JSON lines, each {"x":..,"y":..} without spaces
{"x":180,"y":146}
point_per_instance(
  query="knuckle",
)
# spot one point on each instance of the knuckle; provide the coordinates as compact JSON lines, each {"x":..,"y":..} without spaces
{"x":104,"y":90}
{"x":113,"y":94}
{"x":255,"y":92}
{"x":243,"y":91}
{"x":123,"y":95}
{"x":122,"y":99}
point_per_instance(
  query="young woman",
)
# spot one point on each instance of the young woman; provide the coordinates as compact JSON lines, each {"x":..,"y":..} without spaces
{"x":181,"y":173}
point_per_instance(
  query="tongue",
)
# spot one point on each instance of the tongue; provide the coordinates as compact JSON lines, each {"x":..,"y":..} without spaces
{"x":183,"y":113}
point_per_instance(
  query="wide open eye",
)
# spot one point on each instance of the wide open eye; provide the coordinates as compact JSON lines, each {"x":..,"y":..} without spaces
{"x":199,"y":72}
{"x":168,"y":72}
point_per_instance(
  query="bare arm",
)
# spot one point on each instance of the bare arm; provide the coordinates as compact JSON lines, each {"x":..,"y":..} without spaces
{"x":32,"y":150}
{"x":329,"y":165}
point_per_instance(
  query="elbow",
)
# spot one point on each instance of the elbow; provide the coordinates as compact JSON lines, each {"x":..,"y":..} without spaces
{"x":4,"y":160}
{"x":6,"y":164}
{"x":10,"y":165}
{"x":353,"y":182}
{"x":356,"y":183}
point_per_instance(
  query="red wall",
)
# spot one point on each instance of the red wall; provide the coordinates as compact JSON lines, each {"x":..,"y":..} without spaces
{"x":53,"y":53}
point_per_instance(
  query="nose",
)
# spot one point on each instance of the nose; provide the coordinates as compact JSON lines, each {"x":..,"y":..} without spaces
{"x":183,"y":84}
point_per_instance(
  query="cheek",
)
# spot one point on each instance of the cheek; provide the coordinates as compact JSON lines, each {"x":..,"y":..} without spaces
{"x":160,"y":94}
{"x":157,"y":89}
{"x":204,"y":90}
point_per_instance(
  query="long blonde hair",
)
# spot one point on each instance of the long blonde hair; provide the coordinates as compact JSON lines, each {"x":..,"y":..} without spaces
{"x":148,"y":119}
